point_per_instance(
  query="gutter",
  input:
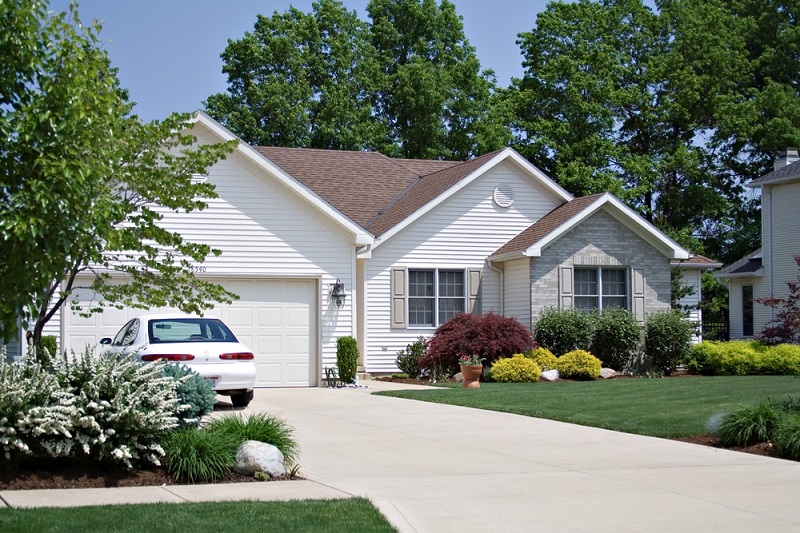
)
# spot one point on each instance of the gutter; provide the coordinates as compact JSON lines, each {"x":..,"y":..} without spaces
{"x":501,"y":274}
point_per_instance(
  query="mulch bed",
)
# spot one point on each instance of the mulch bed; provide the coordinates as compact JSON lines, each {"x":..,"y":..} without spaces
{"x":66,"y":475}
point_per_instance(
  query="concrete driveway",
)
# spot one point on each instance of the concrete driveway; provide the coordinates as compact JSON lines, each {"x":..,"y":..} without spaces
{"x":437,"y":468}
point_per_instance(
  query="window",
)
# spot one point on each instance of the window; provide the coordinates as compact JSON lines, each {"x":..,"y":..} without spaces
{"x":747,"y":311}
{"x":600,"y":288}
{"x":127,"y":334}
{"x":434,"y":296}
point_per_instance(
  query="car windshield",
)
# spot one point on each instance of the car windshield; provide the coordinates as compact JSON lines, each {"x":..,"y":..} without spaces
{"x":164,"y":330}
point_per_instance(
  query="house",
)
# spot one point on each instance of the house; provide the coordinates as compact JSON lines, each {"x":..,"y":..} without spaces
{"x":764,"y":272}
{"x":411,"y":243}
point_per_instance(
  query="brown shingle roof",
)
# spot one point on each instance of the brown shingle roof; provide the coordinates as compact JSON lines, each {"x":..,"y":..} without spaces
{"x":547,"y":224}
{"x":423,"y":191}
{"x":374,"y":191}
{"x":358,"y":184}
{"x":698,"y":260}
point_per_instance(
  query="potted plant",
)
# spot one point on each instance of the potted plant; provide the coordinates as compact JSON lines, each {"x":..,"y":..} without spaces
{"x":471,"y":370}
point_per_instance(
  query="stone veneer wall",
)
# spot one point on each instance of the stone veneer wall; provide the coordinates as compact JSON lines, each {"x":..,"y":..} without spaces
{"x":600,"y":240}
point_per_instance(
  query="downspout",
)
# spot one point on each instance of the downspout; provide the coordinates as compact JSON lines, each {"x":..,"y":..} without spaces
{"x":501,"y":275}
{"x":771,"y":259}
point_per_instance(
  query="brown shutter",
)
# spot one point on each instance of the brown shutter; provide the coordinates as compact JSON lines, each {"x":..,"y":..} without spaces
{"x":399,"y":283}
{"x":474,"y":291}
{"x":637,"y":291}
{"x":565,"y":287}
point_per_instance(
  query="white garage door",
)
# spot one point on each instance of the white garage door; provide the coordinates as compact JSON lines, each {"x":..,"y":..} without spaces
{"x":275,"y":318}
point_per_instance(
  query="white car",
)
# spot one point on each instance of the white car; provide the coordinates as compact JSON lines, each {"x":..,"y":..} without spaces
{"x":206,"y":345}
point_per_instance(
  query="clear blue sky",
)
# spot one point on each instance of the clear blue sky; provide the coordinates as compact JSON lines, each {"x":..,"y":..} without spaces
{"x":167,"y":51}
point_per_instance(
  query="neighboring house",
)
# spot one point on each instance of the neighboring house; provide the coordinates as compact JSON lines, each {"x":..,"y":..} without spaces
{"x":413,"y":242}
{"x":764,"y":272}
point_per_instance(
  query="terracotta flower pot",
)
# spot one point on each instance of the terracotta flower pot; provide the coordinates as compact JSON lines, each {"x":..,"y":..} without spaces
{"x":471,"y":374}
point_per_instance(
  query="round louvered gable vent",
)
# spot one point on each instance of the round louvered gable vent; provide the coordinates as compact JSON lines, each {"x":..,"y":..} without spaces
{"x":503,"y":195}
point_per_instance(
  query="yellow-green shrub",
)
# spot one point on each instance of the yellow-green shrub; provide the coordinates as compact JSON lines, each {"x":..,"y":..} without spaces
{"x":515,"y":369}
{"x":542,"y":357}
{"x":743,"y":358}
{"x":782,"y":359}
{"x":579,"y":364}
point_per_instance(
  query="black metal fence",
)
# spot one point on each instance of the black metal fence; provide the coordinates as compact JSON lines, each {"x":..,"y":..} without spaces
{"x":716,"y":326}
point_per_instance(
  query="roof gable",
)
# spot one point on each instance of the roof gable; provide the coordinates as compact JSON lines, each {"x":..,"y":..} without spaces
{"x":359,"y":235}
{"x":564,"y":218}
{"x":785,"y":174}
{"x":748,"y":266}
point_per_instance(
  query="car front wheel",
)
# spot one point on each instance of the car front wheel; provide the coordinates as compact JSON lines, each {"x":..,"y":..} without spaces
{"x":242,"y":400}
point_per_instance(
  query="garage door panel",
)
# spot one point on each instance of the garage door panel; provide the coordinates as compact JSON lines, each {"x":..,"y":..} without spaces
{"x":240,"y":317}
{"x":297,"y":317}
{"x":275,"y":318}
{"x":271,"y":374}
{"x":297,"y":373}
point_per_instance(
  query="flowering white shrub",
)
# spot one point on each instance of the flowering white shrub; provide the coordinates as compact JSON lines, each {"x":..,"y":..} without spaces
{"x":88,"y":407}
{"x":35,"y":411}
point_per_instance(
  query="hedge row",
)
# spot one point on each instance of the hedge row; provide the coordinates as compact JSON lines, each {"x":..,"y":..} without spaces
{"x":741,"y":358}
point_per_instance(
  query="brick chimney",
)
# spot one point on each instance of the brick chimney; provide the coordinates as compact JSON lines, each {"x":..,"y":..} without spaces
{"x":786,"y":158}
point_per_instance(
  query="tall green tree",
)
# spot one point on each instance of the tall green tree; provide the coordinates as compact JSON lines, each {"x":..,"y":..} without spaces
{"x":407,"y":84}
{"x":434,"y":97}
{"x":302,"y":80}
{"x":84,"y":184}
{"x":663,"y":107}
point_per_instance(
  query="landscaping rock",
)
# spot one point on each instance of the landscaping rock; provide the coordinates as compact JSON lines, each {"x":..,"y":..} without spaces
{"x":254,"y":456}
{"x":550,"y":375}
{"x":458,"y":377}
{"x":607,"y":373}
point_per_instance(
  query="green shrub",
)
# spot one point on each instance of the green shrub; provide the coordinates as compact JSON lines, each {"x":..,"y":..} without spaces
{"x":486,"y":376}
{"x":198,"y":455}
{"x":408,"y":358}
{"x":705,"y":358}
{"x":542,"y":357}
{"x":667,"y":339}
{"x":515,"y":369}
{"x":617,"y":338}
{"x":347,"y":359}
{"x":783,"y":359}
{"x":50,"y":343}
{"x":564,"y":330}
{"x":260,"y":427}
{"x":749,"y":424}
{"x":787,"y":437}
{"x":579,"y":364}
{"x":196,"y":397}
{"x":743,"y":358}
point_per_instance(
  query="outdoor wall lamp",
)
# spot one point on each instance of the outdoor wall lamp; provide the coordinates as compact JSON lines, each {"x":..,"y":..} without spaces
{"x":337,"y":294}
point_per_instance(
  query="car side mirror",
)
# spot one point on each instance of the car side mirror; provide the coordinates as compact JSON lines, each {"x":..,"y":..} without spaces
{"x":105,"y":340}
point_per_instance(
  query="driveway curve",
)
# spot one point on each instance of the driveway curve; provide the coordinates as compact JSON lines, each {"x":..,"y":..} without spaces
{"x":437,"y":468}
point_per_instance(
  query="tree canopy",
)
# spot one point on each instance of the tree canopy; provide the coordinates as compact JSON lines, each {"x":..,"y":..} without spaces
{"x":407,"y":84}
{"x":672,"y":109}
{"x":84,"y":183}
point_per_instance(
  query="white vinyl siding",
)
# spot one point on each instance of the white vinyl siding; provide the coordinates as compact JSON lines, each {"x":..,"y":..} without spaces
{"x":517,"y":290}
{"x":459,"y":235}
{"x":266,"y":231}
{"x":736,"y":305}
{"x":785,"y":237}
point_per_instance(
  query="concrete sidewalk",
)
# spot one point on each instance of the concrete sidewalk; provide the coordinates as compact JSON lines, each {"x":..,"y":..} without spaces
{"x":435,"y":468}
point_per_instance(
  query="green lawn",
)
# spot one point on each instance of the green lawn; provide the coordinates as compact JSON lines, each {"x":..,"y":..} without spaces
{"x":673,"y":407}
{"x":355,"y":514}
